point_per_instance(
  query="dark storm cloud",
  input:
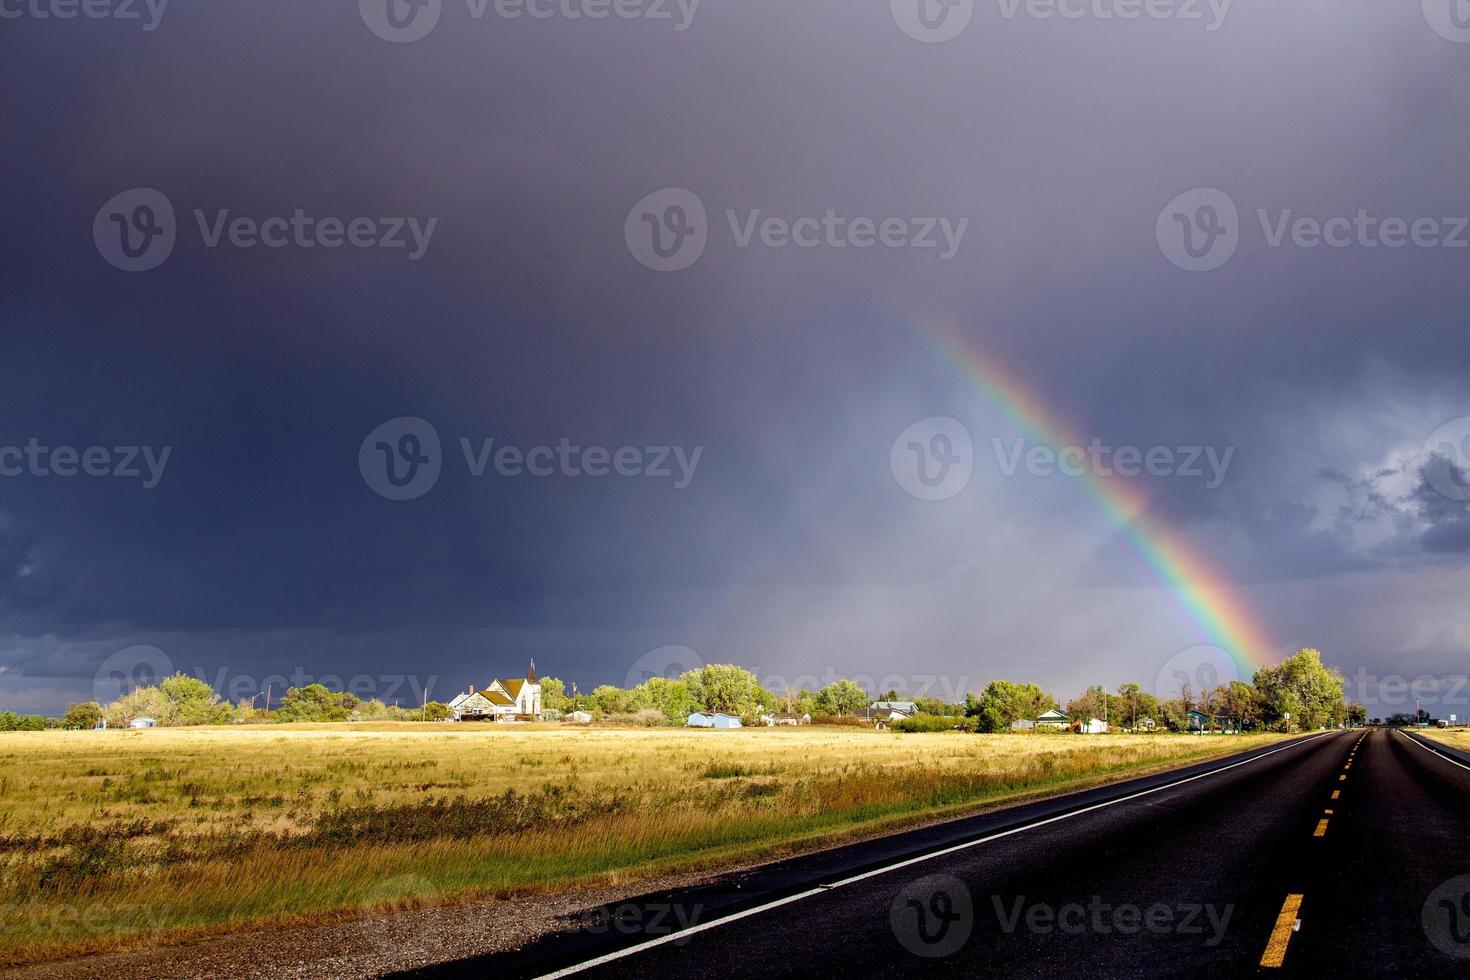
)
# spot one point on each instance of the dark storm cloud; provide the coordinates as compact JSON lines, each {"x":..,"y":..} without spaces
{"x":527,"y":320}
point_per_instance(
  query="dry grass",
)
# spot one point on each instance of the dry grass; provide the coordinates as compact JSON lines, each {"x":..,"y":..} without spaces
{"x":1455,"y":738}
{"x":114,"y":838}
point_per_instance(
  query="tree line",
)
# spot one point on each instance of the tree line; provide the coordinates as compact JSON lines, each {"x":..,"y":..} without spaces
{"x":1301,"y":693}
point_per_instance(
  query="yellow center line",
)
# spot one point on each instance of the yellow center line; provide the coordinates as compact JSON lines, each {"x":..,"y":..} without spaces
{"x":1336,"y":793}
{"x":1275,"y":953}
{"x":1321,"y":830}
{"x":1342,"y":779}
{"x":1328,"y":812}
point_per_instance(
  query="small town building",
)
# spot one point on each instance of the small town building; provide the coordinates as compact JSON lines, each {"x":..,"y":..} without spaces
{"x":579,"y":718}
{"x":775,"y":720}
{"x":143,"y":722}
{"x":505,"y":700}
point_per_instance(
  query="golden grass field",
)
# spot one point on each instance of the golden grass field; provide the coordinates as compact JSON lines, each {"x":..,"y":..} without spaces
{"x":112,"y":839}
{"x":1455,"y":738}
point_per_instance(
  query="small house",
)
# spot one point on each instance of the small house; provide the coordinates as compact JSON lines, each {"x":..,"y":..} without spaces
{"x":721,"y":720}
{"x":1051,"y":718}
{"x":143,"y":722}
{"x":1093,"y":726}
{"x":579,"y":718}
{"x":699,"y":719}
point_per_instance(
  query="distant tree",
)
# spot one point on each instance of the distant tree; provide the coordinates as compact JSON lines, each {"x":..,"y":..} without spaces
{"x":82,"y":714}
{"x":554,"y":695}
{"x":844,"y":697}
{"x":1303,"y":687}
{"x":435,"y":711}
{"x":315,"y":702}
{"x":192,"y":702}
{"x":610,"y":700}
{"x":12,"y":722}
{"x":1003,"y":703}
{"x":671,"y":698}
{"x":726,"y":687}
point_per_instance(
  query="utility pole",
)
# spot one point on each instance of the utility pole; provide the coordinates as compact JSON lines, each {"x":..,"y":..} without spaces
{"x":267,"y":697}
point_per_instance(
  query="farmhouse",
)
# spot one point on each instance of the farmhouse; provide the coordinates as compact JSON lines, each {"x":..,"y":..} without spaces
{"x":1051,"y":718}
{"x":506,"y":699}
{"x":884,"y":713}
{"x":775,"y":720}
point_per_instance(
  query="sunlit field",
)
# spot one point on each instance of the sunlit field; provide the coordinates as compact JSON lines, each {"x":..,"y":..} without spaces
{"x":110,"y":839}
{"x":1456,"y":738}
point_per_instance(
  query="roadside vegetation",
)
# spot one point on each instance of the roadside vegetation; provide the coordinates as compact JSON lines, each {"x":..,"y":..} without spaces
{"x":112,"y":838}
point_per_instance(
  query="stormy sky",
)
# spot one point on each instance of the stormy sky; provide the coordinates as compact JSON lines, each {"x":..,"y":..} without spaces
{"x":449,"y":217}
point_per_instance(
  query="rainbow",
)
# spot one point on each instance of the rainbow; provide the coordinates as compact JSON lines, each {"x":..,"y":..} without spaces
{"x":1203,"y":595}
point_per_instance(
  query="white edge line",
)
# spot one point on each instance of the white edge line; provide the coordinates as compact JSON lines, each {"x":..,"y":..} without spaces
{"x":823,"y":889}
{"x":1450,"y":759}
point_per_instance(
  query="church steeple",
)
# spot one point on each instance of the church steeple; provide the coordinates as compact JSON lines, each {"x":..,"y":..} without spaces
{"x":531,"y":672}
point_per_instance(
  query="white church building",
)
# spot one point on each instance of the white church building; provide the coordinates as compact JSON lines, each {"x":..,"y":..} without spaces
{"x":506,"y":699}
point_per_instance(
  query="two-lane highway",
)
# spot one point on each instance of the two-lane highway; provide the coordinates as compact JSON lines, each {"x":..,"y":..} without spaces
{"x":1317,"y":857}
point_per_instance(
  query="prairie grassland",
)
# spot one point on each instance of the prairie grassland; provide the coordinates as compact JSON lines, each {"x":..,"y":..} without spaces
{"x":1455,"y":738}
{"x":112,"y":839}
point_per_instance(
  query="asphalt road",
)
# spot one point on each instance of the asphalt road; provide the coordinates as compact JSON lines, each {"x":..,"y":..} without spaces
{"x":1345,"y":854}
